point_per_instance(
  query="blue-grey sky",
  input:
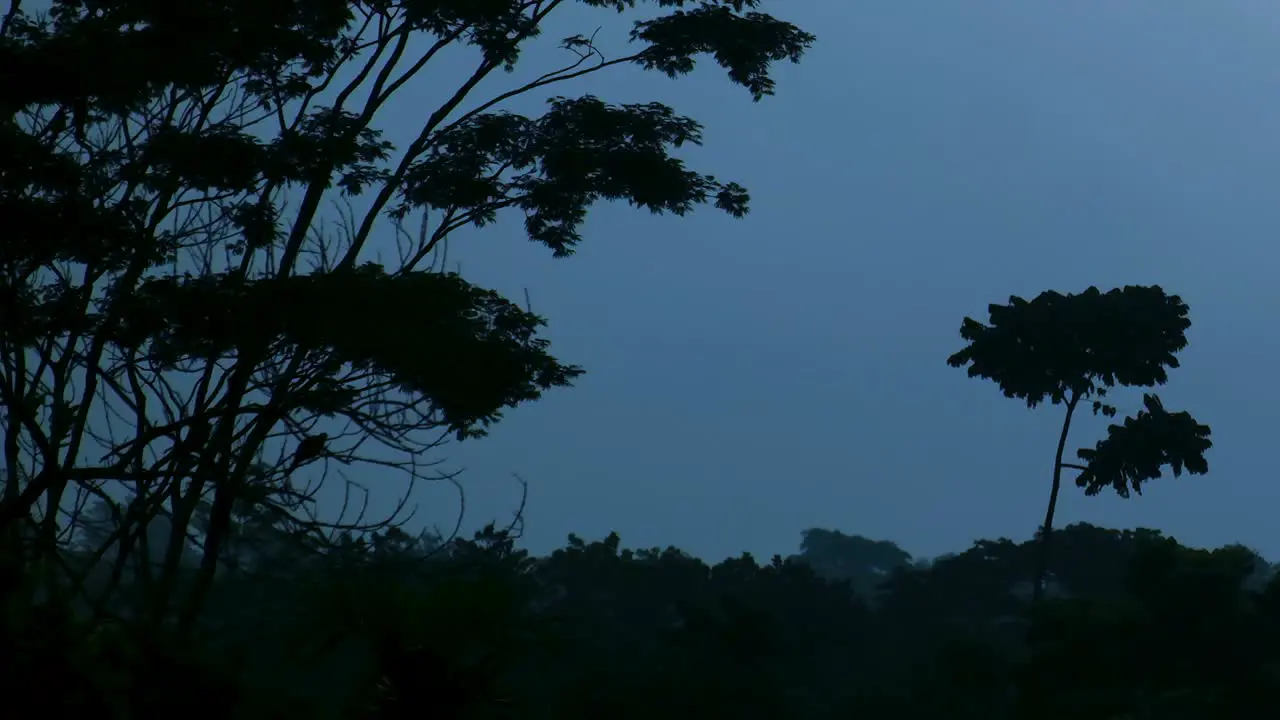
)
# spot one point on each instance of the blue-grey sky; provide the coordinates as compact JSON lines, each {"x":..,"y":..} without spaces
{"x":751,"y":378}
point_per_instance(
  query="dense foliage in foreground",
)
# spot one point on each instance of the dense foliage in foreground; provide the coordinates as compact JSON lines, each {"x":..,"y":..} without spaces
{"x":1134,"y":625}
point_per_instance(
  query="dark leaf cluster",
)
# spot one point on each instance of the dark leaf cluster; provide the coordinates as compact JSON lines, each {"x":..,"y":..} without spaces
{"x":276,"y":44}
{"x":743,"y":43}
{"x":225,"y":158}
{"x":495,"y":27}
{"x":1057,"y":347}
{"x":555,"y":167}
{"x":1133,"y":452}
{"x":467,"y":350}
{"x":51,"y":214}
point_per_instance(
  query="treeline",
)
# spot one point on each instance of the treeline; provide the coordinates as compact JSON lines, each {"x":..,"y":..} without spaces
{"x":1134,"y":625}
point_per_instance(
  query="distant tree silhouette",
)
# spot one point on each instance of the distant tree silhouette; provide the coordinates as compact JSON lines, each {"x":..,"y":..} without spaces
{"x":860,"y":561}
{"x":1066,"y":349}
{"x":385,"y":625}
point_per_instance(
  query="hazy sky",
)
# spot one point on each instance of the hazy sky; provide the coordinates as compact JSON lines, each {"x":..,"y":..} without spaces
{"x":751,"y":378}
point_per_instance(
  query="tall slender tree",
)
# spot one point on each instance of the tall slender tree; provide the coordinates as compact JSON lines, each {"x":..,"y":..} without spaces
{"x":1069,"y":349}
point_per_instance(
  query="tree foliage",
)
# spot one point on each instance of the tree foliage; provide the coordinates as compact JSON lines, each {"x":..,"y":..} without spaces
{"x":388,"y":626}
{"x":186,"y":334}
{"x":1058,"y":346}
{"x":1134,"y":452}
{"x":1069,"y":348}
{"x":862,"y":562}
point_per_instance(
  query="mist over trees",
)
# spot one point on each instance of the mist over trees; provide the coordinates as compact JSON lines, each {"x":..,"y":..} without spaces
{"x":191,"y":351}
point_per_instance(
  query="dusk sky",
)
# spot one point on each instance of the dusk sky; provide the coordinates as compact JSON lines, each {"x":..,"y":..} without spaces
{"x":747,"y":379}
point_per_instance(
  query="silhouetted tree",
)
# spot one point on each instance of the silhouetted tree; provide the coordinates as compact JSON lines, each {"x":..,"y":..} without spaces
{"x":180,"y":330}
{"x":1072,"y":348}
{"x":862,"y":562}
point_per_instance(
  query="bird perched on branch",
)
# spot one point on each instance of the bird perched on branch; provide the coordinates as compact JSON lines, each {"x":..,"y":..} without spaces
{"x":311,"y":447}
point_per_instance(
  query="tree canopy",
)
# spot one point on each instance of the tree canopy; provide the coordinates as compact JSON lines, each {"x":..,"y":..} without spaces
{"x":188,"y":334}
{"x":1058,"y":346}
{"x":387,"y":625}
{"x":1069,"y":348}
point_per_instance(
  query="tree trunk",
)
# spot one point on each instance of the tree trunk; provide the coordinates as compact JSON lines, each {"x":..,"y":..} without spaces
{"x":1042,"y":562}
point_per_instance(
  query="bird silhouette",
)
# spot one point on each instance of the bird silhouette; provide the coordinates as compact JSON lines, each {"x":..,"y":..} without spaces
{"x":310,"y":448}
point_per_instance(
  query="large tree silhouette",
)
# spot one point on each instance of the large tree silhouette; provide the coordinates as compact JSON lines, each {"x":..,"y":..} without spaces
{"x":181,"y":328}
{"x":1068,"y":349}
